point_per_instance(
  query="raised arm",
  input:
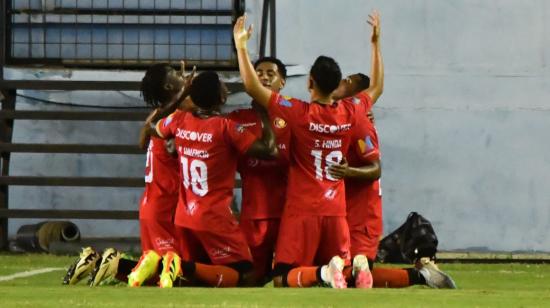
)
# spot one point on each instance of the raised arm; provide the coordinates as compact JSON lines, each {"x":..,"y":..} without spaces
{"x":377,"y":66}
{"x":252,"y":83}
{"x":266,"y":146}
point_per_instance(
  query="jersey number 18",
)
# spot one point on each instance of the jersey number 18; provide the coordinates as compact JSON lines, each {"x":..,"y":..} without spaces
{"x":332,"y":158}
{"x":195,"y":174}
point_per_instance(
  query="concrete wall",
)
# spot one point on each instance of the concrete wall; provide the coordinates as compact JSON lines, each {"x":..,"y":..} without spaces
{"x":463,"y":121}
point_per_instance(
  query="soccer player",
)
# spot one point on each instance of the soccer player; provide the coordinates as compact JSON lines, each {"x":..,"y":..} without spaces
{"x":215,"y":251}
{"x":364,"y":212}
{"x":363,"y":192}
{"x":313,"y":227}
{"x":263,"y":181}
{"x":161,"y":87}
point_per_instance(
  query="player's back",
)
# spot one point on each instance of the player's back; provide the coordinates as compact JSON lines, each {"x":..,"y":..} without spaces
{"x":320,"y":136}
{"x":207,"y":151}
{"x":161,"y":182}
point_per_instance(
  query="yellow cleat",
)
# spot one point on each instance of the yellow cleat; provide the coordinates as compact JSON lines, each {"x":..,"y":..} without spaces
{"x":171,"y":269}
{"x":145,"y":269}
{"x":105,"y":269}
{"x":82,"y":267}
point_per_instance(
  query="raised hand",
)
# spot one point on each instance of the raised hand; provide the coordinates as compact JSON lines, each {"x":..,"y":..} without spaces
{"x":189,"y":77}
{"x":240,"y":34}
{"x":374,"y":21}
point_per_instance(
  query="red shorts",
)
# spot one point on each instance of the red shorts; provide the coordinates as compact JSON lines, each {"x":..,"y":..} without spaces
{"x":160,"y":236}
{"x":364,"y":242}
{"x":366,"y":230}
{"x":312,"y":240}
{"x":214,"y":247}
{"x":261,"y":235}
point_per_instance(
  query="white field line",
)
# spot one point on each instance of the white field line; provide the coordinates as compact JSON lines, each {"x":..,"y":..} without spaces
{"x":30,"y":273}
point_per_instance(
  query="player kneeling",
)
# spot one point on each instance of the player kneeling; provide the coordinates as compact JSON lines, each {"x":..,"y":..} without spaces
{"x":208,"y":144}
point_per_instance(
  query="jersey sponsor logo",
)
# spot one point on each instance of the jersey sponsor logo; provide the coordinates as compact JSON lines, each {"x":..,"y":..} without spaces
{"x":330,"y":194}
{"x":328,"y":129}
{"x":191,"y":207}
{"x":164,"y":243}
{"x":285,"y":103}
{"x":279,"y":123}
{"x":220,"y":253}
{"x":248,"y":124}
{"x":193,"y":136}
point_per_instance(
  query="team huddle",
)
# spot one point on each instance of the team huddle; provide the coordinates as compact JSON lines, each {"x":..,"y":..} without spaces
{"x":311,"y":211}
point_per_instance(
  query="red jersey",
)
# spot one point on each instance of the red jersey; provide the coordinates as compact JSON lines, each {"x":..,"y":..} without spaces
{"x":207,"y":151}
{"x":363,"y":197}
{"x":161,"y":183}
{"x":263,"y":181}
{"x":320,"y":136}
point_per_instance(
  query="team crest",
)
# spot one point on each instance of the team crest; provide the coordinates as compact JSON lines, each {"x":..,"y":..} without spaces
{"x":279,"y":123}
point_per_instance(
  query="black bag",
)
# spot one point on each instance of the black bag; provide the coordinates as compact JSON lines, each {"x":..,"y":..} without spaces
{"x":413,"y":240}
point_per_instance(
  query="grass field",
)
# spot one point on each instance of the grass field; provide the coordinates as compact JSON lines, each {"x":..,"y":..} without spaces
{"x":480,"y":285}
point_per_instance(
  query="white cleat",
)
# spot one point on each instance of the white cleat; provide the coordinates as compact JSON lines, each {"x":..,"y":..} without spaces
{"x":361,"y":272}
{"x":434,"y":277}
{"x":332,"y":273}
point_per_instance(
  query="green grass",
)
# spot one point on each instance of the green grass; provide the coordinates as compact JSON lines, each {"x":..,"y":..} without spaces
{"x":480,"y":285}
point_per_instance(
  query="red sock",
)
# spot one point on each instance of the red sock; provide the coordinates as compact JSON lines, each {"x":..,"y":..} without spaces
{"x":390,"y":278}
{"x":216,"y":275}
{"x":302,"y":277}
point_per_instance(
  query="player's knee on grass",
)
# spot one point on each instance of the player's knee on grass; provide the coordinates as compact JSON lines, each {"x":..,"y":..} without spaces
{"x":280,"y":273}
{"x":278,"y":282}
{"x":246,"y":273}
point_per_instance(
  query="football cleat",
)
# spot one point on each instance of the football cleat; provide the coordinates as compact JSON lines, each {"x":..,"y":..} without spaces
{"x":105,"y":269}
{"x":171,"y":269}
{"x":361,"y":272}
{"x":145,"y":269}
{"x":82,"y":267}
{"x":434,"y":277}
{"x":332,"y":273}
